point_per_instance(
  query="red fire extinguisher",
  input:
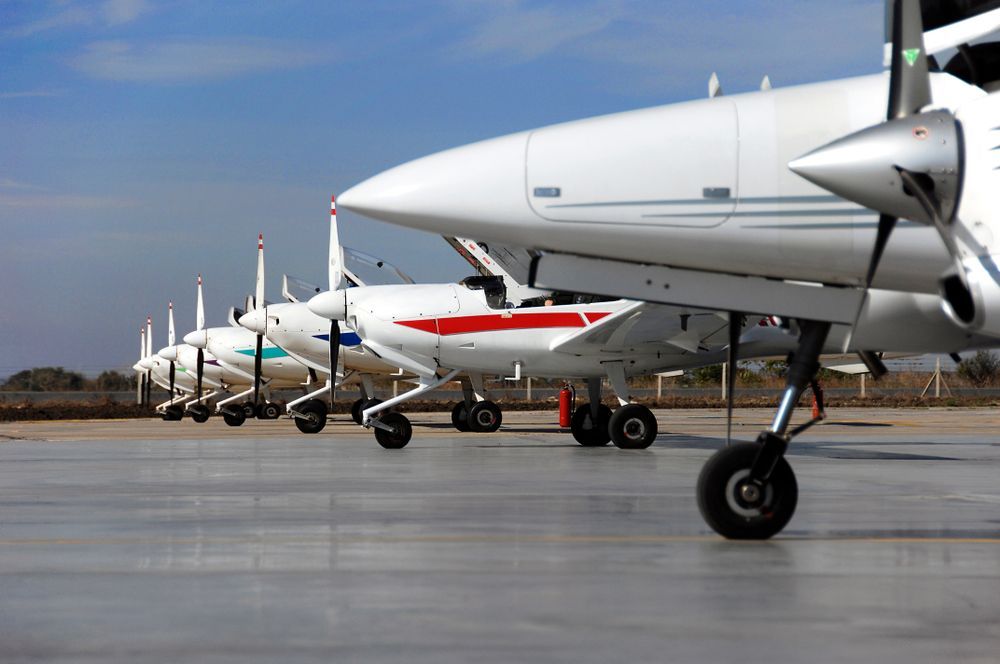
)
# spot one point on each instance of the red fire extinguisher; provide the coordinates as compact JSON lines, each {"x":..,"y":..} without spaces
{"x":567,"y":400}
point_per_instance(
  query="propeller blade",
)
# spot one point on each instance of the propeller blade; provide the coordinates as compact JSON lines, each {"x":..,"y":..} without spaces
{"x":200,"y":322}
{"x":259,"y":290}
{"x":735,"y":332}
{"x":334,"y":356}
{"x":336,"y":268}
{"x":257,"y":359}
{"x":886,"y":224}
{"x":172,"y":369}
{"x":909,"y":80}
{"x":171,"y":336}
{"x":201,"y":371}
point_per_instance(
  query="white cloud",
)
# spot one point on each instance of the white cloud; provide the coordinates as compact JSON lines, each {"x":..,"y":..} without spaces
{"x":183,"y":60}
{"x":109,"y":13}
{"x":62,"y":201}
{"x":654,"y":44}
{"x":7,"y":183}
{"x":523,"y":32}
{"x":21,"y":94}
{"x":117,"y":12}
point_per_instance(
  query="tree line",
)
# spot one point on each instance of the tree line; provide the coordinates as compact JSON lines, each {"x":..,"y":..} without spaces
{"x":57,"y":379}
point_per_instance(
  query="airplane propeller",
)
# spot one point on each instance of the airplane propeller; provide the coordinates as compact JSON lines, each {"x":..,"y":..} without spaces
{"x":149,"y":355}
{"x":200,"y":325}
{"x":336,"y":279}
{"x":171,"y":341}
{"x":732,"y":356}
{"x":259,"y":304}
{"x":910,"y":166}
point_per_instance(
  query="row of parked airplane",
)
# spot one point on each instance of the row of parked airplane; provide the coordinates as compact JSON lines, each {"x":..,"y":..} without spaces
{"x":687,"y":225}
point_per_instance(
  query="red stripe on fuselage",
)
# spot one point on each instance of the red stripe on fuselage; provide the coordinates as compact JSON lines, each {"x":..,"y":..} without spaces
{"x":593,"y":318}
{"x":499,"y":322}
{"x":423,"y":324}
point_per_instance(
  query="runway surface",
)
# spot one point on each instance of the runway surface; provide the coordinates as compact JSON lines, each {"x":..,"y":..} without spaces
{"x":151,"y":541}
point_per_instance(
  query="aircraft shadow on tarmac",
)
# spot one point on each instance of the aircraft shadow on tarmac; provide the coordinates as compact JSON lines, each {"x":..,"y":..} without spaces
{"x":819,"y":449}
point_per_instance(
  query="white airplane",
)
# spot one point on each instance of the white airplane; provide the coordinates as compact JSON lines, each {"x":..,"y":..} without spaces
{"x":306,"y":337}
{"x":247,"y":360}
{"x":692,"y":204}
{"x":180,"y":385}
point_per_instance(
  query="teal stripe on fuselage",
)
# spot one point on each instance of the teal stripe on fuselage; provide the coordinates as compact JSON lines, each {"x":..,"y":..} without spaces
{"x":270,"y":353}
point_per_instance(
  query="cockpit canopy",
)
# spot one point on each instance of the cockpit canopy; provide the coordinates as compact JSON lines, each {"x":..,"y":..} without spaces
{"x":493,"y":288}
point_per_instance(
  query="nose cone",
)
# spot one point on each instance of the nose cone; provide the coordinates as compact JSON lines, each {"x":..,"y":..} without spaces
{"x":864,"y":167}
{"x":330,"y":304}
{"x":466,"y":191}
{"x":146,"y":363}
{"x":255,"y":321}
{"x":198,"y":339}
{"x":169,"y":353}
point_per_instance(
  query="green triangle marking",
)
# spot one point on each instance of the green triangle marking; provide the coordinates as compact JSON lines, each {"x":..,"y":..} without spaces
{"x":911,"y":55}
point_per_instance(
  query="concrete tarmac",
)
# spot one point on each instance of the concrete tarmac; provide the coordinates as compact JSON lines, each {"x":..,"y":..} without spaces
{"x":151,"y":541}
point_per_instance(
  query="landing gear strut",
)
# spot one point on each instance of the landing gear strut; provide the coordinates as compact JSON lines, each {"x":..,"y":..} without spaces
{"x":748,"y":490}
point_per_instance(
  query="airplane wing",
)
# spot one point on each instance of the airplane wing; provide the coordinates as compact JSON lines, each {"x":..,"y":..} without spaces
{"x":950,"y":23}
{"x":511,"y":263}
{"x":643,"y":323}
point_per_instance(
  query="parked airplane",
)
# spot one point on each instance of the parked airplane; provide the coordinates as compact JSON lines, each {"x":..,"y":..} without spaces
{"x":305,"y":337}
{"x":253,"y":362}
{"x":691,"y":204}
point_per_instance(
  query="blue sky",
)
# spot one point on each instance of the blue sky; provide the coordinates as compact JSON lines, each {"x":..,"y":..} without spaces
{"x":144,"y":141}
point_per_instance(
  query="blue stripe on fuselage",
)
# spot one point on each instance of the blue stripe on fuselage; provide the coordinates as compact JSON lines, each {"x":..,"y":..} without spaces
{"x":346,"y":338}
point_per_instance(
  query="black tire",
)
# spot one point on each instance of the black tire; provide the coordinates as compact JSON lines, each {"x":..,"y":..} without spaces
{"x":724,"y":509}
{"x":399,"y":436}
{"x":200,"y":413}
{"x":485,"y":417}
{"x":460,"y":416}
{"x":632,"y":427}
{"x":356,"y":409}
{"x":249,"y":409}
{"x":235,"y":417}
{"x":173,"y":413}
{"x":269,"y":411}
{"x":314,"y":419}
{"x":589,"y":433}
{"x":371,"y":402}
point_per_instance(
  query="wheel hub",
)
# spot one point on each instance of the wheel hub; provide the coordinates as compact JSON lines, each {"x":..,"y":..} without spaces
{"x":750,"y":493}
{"x":746,"y":497}
{"x":635,"y":429}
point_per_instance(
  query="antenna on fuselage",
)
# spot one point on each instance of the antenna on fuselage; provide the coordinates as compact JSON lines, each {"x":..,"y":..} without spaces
{"x":714,"y":87}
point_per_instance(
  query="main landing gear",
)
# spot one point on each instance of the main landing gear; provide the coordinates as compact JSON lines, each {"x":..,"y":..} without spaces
{"x":748,"y":490}
{"x":631,"y":427}
{"x":481,"y":417}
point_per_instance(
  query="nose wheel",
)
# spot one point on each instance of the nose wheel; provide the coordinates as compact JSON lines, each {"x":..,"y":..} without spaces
{"x":393,"y":431}
{"x":199,"y":413}
{"x":173,"y":413}
{"x":268,"y":411}
{"x":632,"y":427}
{"x":310,"y":417}
{"x":739,"y":507}
{"x":234,"y":417}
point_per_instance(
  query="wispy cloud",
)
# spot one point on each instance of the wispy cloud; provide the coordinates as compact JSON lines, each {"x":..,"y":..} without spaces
{"x":657,"y":42}
{"x":7,"y":183}
{"x":522,"y":31}
{"x":182,"y":60}
{"x":22,"y":94}
{"x":63,"y":15}
{"x":38,"y":201}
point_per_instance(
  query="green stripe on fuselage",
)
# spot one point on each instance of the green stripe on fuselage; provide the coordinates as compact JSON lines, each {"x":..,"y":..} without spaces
{"x":271,"y":353}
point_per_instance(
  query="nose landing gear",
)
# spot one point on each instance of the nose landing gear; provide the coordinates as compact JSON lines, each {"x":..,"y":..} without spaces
{"x":748,"y":490}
